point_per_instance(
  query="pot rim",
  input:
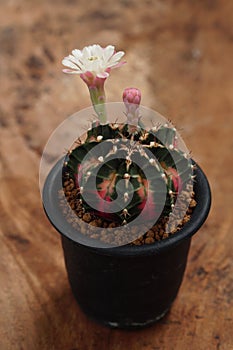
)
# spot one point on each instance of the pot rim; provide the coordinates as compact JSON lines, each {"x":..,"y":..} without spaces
{"x":198,"y":217}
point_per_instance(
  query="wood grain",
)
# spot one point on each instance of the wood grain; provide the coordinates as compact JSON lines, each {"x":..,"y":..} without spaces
{"x":180,"y":55}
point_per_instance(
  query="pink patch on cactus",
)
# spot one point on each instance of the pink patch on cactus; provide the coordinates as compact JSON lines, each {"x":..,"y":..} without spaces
{"x":106,"y":188}
{"x":148,"y":213}
{"x":142,"y":191}
{"x":78,"y":176}
{"x":103,"y":207}
{"x":176,"y":180}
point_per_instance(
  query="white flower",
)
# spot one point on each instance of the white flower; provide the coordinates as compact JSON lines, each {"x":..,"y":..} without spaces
{"x":94,"y":59}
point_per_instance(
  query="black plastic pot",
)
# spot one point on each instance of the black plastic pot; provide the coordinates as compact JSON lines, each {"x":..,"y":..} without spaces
{"x":127,"y":286}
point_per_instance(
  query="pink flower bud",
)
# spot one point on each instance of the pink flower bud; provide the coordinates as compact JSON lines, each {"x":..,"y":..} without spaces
{"x":132,"y":99}
{"x":132,"y":96}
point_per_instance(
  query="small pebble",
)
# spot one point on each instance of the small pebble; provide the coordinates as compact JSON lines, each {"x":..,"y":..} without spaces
{"x":94,"y":223}
{"x":87,"y":217}
{"x":149,"y":240}
{"x":150,"y":233}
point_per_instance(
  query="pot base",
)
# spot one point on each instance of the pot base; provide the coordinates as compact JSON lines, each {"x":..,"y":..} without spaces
{"x":130,"y":325}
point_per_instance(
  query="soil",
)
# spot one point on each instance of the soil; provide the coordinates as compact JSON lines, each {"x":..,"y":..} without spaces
{"x":157,"y":232}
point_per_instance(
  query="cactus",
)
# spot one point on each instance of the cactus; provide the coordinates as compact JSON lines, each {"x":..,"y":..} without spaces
{"x":116,"y":162}
{"x":136,"y":170}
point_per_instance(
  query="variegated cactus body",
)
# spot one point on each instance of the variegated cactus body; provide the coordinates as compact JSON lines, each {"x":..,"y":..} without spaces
{"x":125,"y":158}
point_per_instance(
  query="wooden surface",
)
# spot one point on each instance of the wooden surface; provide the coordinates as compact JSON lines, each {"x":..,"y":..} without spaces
{"x":179,"y":54}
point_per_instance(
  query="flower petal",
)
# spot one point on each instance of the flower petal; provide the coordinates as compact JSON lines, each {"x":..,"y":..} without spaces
{"x":108,"y":51}
{"x":116,"y":65}
{"x":94,"y":59}
{"x":66,"y":62}
{"x":77,"y":53}
{"x":69,"y":71}
{"x":116,"y":57}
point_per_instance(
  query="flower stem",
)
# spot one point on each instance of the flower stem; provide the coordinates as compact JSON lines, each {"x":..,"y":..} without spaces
{"x":97,"y":95}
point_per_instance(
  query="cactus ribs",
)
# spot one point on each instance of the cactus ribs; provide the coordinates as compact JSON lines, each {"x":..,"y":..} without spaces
{"x":135,"y":167}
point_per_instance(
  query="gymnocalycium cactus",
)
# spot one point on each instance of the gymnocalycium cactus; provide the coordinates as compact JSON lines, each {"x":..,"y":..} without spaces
{"x":113,"y":163}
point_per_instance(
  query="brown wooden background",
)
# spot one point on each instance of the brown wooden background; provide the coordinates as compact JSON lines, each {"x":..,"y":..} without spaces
{"x":179,"y":54}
